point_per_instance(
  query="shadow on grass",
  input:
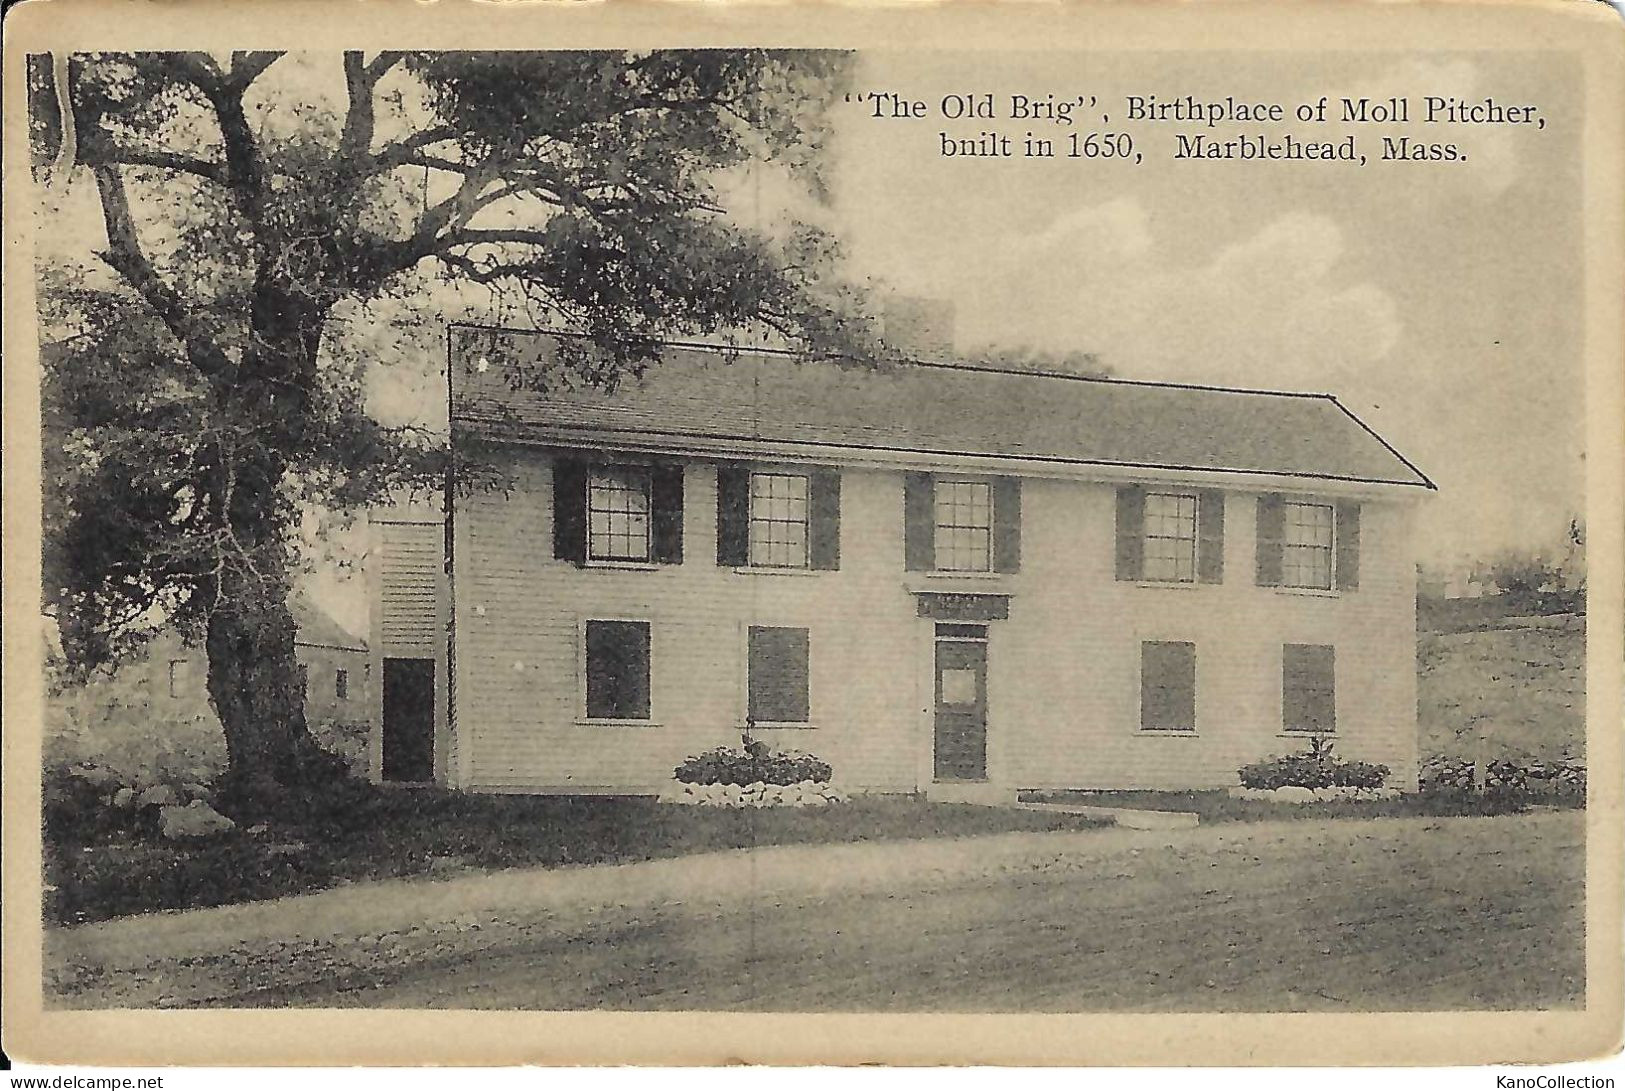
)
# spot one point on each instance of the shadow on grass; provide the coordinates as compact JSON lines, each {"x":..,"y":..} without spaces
{"x":393,"y":833}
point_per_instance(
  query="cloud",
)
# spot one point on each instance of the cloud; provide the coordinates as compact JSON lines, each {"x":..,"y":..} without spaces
{"x":1274,"y":308}
{"x":1116,"y":229}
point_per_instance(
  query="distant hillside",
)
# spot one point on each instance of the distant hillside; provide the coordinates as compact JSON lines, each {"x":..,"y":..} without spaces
{"x":1516,"y":684}
{"x":1440,"y":615}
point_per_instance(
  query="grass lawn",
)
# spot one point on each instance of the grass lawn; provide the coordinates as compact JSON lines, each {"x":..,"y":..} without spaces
{"x":402,"y":832}
{"x":1217,"y":806}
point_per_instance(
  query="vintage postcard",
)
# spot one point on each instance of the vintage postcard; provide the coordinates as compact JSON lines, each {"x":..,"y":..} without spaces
{"x":989,"y":534}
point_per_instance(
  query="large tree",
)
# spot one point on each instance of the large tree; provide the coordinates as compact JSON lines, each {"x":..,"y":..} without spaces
{"x":199,"y":389}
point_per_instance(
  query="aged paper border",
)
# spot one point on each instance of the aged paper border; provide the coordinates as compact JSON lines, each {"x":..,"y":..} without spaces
{"x":1589,"y":32}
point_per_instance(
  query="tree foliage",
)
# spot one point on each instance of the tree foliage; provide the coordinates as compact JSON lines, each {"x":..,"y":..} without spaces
{"x":204,"y":373}
{"x":1049,"y":361}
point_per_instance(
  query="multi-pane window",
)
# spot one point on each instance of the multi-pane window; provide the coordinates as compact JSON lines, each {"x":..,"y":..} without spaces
{"x":1167,"y":685}
{"x":1309,"y":688}
{"x":776,"y":680}
{"x":617,"y":670}
{"x":1306,"y":545}
{"x":341,"y":684}
{"x":778,"y":520}
{"x":1170,"y":537}
{"x":618,"y":513}
{"x":964,"y":526}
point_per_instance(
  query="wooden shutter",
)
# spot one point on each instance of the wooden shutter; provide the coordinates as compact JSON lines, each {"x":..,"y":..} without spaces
{"x":824,"y":519}
{"x":733,"y":516}
{"x":1168,"y":685}
{"x":919,"y":522}
{"x":1348,"y":547}
{"x":666,"y":513}
{"x":1007,"y":524}
{"x":1271,"y":530}
{"x":1210,"y":536}
{"x":776,"y":675}
{"x":1130,"y":531}
{"x":570,"y":510}
{"x":618,"y":670}
{"x":1308,"y":688}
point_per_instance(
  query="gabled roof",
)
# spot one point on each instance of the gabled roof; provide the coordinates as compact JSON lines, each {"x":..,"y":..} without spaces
{"x":317,"y":628}
{"x":706,"y":392}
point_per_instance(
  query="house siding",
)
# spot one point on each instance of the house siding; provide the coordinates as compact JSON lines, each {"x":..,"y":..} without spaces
{"x":1065,"y":667}
{"x":1063,"y":670}
{"x":518,"y":618}
{"x":411,"y":609}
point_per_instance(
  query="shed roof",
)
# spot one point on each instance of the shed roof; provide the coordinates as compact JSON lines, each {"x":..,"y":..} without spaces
{"x":712,"y":392}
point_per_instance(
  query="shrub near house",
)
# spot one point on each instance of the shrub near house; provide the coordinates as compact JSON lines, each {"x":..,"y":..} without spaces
{"x":753,"y":776}
{"x":1312,"y":774}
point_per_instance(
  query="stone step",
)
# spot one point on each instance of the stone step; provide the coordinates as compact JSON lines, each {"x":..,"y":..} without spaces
{"x":1130,"y":818}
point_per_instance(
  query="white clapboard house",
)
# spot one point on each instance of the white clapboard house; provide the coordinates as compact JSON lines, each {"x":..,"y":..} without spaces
{"x":955,"y":580}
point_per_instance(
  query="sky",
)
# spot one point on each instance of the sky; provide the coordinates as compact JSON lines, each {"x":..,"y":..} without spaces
{"x":1441,"y":302}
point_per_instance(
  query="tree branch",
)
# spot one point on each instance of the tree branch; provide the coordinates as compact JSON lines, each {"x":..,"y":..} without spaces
{"x":355,"y":140}
{"x":126,"y":257}
{"x":476,"y":236}
{"x":246,"y":67}
{"x":401,"y":153}
{"x":98,"y":148}
{"x":382,"y":63}
{"x":245,"y":171}
{"x":389,"y":257}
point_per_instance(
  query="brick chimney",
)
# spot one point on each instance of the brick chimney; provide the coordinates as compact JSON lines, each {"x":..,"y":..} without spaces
{"x":917,"y":328}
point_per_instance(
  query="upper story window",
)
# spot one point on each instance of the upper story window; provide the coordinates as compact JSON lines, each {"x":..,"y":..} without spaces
{"x":618,"y":513}
{"x":341,"y":684}
{"x":963,"y":539}
{"x":953,"y":524}
{"x":1304,"y":543}
{"x":778,"y":520}
{"x":630,"y":512}
{"x":1170,"y":537}
{"x":1307,"y":545}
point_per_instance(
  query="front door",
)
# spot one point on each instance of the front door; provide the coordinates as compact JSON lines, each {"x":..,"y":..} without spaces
{"x":961,"y":734}
{"x":409,"y":720}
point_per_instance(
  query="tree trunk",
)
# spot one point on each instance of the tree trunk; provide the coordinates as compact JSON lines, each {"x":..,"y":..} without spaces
{"x":256,"y":684}
{"x":257,"y":688}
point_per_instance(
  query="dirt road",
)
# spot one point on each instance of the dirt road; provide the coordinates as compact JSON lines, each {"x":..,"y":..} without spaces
{"x":1394,"y":914}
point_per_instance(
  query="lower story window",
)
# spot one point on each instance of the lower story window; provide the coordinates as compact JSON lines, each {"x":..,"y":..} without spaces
{"x":1309,"y":688}
{"x":777,"y":673}
{"x":617,"y":670}
{"x":1167,"y":685}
